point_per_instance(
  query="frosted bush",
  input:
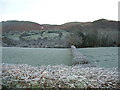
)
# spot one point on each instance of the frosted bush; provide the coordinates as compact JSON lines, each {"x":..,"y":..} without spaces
{"x":23,"y":75}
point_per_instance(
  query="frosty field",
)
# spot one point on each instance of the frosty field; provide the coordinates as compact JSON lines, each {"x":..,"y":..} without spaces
{"x":19,"y":68}
{"x":103,"y":56}
{"x":37,"y":56}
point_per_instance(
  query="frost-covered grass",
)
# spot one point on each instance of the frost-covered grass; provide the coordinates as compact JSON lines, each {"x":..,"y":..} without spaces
{"x":14,"y":37}
{"x":58,"y":76}
{"x":36,"y":56}
{"x":33,"y":37}
{"x":103,"y":56}
{"x":35,"y":34}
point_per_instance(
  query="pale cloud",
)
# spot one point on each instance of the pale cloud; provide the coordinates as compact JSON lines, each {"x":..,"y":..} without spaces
{"x":58,"y":11}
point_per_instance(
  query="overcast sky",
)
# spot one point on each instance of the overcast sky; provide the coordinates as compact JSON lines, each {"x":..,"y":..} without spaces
{"x":58,"y":11}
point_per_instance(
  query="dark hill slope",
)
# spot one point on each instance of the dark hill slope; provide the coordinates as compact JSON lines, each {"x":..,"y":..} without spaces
{"x":24,"y":26}
{"x":28,"y":26}
{"x":98,"y":24}
{"x":20,"y":25}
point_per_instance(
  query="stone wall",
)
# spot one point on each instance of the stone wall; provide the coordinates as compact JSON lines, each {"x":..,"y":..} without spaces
{"x":78,"y":57}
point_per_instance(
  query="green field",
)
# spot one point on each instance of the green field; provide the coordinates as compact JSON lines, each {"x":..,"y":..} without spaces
{"x":103,"y":56}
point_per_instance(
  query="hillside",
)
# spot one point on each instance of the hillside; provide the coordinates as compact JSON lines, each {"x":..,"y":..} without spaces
{"x":98,"y":33}
{"x":27,"y":25}
{"x":15,"y":25}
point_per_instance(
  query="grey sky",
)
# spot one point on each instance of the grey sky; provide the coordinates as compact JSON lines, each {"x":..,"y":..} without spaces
{"x":58,"y":11}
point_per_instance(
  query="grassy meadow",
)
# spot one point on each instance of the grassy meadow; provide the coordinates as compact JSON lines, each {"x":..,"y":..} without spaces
{"x":103,"y":56}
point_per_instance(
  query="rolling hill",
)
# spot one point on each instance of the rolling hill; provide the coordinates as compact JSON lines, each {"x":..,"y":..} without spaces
{"x":98,"y":33}
{"x":27,"y":25}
